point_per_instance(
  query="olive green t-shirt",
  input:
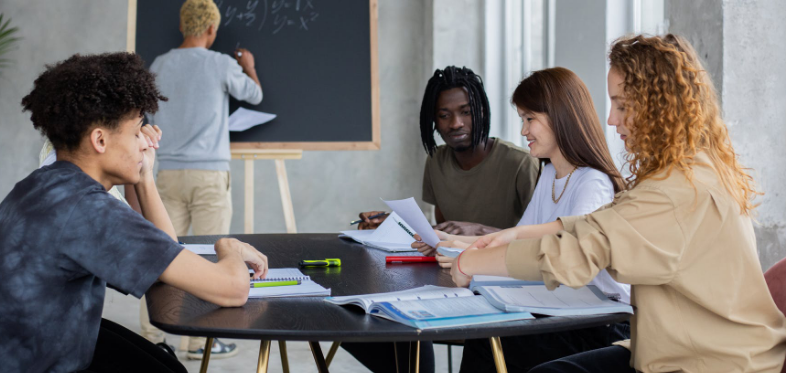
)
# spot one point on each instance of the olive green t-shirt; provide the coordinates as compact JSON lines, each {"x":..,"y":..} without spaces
{"x":494,"y":193}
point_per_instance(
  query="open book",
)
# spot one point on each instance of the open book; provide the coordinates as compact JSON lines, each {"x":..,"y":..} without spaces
{"x":431,"y":307}
{"x":306,"y":288}
{"x":393,"y":235}
{"x":562,"y":301}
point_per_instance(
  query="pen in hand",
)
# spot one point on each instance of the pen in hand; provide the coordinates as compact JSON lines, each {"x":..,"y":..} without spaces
{"x":369,"y":218}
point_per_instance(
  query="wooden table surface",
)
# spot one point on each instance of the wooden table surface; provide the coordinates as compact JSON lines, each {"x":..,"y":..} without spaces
{"x":363,"y":271}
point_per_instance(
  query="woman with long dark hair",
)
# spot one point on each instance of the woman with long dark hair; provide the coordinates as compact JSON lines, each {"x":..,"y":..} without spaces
{"x":577,"y":177}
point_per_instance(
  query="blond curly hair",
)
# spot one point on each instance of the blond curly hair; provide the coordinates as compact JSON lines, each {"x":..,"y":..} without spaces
{"x":672,"y":113}
{"x":197,"y":15}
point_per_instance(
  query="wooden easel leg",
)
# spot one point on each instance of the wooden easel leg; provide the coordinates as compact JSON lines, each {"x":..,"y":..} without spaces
{"x":264,"y":356}
{"x":286,"y":197}
{"x":249,"y":197}
{"x":316,"y":350}
{"x":332,"y":353}
{"x":414,"y":357}
{"x":499,"y":357}
{"x":282,"y":349}
{"x":206,"y":355}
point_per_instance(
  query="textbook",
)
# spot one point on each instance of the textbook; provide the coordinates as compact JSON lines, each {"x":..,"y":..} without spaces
{"x":431,"y":307}
{"x":484,"y":280}
{"x":393,"y":235}
{"x":562,"y":301}
{"x":306,"y":288}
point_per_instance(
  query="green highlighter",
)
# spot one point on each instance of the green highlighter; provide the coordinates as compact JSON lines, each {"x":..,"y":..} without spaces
{"x":333,"y":262}
{"x":268,"y":284}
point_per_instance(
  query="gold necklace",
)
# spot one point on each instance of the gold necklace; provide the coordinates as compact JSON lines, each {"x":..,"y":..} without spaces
{"x":563,"y":189}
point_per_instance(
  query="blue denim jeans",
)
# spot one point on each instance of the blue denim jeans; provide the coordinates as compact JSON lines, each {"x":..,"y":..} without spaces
{"x":523,"y":353}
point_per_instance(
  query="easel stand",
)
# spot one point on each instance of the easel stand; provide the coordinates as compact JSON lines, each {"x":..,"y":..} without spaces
{"x":251,"y":155}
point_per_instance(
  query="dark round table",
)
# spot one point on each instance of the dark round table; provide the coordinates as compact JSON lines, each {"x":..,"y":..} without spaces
{"x":363,"y":271}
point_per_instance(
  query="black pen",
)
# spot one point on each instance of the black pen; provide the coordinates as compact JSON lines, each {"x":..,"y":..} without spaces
{"x":381,"y":214}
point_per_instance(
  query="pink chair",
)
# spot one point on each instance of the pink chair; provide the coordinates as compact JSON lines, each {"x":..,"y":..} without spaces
{"x":776,"y":282}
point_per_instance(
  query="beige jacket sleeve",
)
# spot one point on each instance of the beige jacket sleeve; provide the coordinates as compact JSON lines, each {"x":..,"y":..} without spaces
{"x":638,"y":239}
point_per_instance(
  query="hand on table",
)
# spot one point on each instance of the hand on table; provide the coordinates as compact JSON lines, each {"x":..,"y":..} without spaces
{"x":250,"y":255}
{"x":446,"y":261}
{"x":460,"y":278}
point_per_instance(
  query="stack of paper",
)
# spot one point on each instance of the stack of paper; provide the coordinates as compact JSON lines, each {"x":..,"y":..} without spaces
{"x":562,"y":301}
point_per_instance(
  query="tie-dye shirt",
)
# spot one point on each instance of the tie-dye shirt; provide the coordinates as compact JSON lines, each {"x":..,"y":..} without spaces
{"x":63,"y":239}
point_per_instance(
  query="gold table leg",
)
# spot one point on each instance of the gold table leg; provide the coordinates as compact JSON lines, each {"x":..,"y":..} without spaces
{"x":206,"y":355}
{"x":499,"y":357}
{"x":282,"y":349}
{"x":395,"y":357}
{"x":414,"y":357}
{"x":264,"y":356}
{"x":332,"y":353}
{"x":316,"y":350}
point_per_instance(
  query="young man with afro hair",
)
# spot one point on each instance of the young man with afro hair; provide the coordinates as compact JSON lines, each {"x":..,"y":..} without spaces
{"x":64,"y":239}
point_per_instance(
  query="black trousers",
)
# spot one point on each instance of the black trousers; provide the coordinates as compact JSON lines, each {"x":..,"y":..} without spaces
{"x":523,"y":353}
{"x":120,"y":350}
{"x":614,"y":359}
{"x":379,"y":357}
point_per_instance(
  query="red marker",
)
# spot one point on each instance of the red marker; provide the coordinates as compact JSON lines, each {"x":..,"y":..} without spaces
{"x":410,"y":259}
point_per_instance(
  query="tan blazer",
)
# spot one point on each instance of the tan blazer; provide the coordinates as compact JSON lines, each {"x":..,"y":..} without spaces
{"x":701,"y":301}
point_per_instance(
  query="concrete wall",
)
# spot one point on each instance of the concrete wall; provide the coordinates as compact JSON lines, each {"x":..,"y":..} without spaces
{"x":701,"y":22}
{"x":51,"y":31}
{"x":742,"y":44}
{"x":754,"y":96}
{"x":328,"y":188}
{"x":580,"y":45}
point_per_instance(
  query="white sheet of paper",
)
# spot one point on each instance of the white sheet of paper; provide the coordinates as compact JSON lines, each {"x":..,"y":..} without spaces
{"x":409,"y":210}
{"x":243,"y":119}
{"x":201,"y":249}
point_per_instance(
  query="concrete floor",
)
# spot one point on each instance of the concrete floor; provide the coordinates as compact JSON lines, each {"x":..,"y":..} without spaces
{"x":125,"y":311}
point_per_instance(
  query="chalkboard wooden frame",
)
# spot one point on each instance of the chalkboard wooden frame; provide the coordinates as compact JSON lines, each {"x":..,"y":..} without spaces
{"x":374,"y":144}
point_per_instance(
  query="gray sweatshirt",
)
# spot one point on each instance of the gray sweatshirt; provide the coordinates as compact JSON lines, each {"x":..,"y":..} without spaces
{"x":194,"y":121}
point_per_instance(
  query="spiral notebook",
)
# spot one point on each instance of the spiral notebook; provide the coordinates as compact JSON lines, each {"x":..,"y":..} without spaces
{"x":307,"y":288}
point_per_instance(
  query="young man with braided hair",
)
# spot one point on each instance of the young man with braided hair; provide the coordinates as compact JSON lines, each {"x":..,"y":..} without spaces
{"x":193,"y":176}
{"x":64,"y":238}
{"x":477,"y":184}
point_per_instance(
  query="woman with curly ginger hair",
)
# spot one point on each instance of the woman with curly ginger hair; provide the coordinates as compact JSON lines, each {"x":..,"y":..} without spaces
{"x":681,"y":235}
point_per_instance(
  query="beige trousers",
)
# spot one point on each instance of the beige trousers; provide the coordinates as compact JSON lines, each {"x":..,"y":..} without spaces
{"x":201,"y":200}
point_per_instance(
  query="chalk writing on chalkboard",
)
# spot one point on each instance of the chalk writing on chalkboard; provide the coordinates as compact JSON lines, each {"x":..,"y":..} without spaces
{"x":276,"y":14}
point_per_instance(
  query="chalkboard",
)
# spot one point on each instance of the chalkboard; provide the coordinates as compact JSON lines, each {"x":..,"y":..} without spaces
{"x":316,"y":61}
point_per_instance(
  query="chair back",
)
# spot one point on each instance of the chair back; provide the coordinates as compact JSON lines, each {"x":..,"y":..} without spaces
{"x":776,"y":282}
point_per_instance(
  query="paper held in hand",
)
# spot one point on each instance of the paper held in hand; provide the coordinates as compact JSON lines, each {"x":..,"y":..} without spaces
{"x":411,"y":213}
{"x":243,"y":119}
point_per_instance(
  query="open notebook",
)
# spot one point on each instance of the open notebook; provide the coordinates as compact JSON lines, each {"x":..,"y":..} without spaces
{"x":307,"y":288}
{"x":430,"y":307}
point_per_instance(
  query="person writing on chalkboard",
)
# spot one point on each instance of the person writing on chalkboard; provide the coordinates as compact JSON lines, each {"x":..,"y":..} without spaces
{"x":64,"y":238}
{"x":478,"y":185}
{"x":193,"y":176}
{"x":681,"y":235}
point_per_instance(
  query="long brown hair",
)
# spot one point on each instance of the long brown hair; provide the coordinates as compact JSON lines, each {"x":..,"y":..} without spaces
{"x":562,"y":96}
{"x":672,"y":112}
